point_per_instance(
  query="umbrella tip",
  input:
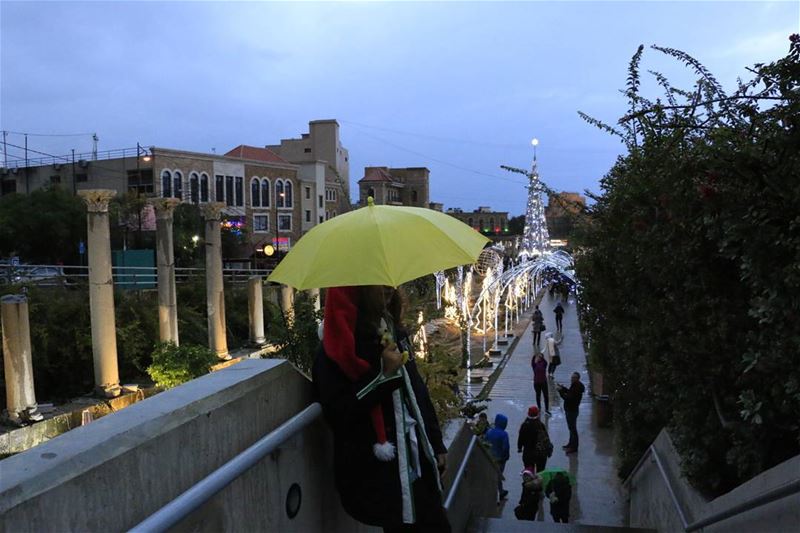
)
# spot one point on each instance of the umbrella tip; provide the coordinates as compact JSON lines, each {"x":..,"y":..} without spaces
{"x":370,"y":201}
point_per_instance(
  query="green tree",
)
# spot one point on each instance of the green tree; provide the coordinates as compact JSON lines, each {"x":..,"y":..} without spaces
{"x":688,"y":263}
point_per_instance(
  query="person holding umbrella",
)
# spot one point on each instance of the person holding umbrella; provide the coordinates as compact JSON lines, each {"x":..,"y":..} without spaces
{"x":388,"y":450}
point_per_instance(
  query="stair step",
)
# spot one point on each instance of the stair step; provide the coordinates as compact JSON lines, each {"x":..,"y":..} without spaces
{"x":505,"y":525}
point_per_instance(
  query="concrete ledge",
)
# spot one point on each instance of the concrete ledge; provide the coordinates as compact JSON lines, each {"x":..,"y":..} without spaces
{"x":116,"y":471}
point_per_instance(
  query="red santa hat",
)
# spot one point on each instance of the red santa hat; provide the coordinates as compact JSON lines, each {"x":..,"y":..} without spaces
{"x":338,"y":340}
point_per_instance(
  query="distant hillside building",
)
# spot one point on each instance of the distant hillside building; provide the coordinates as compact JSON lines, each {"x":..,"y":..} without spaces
{"x":395,"y":186}
{"x":483,"y":219}
{"x":560,"y":211}
{"x":321,"y":151}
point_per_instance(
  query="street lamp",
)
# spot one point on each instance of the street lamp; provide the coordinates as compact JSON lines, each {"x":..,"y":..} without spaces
{"x":277,"y":244}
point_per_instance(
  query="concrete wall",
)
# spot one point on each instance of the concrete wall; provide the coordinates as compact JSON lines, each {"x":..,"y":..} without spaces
{"x":116,"y":471}
{"x":652,"y":507}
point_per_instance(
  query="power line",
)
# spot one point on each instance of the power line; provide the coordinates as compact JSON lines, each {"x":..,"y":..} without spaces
{"x":430,"y":158}
{"x":50,"y":134}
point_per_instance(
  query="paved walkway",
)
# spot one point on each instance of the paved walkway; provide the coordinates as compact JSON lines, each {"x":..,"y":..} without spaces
{"x":598,"y":498}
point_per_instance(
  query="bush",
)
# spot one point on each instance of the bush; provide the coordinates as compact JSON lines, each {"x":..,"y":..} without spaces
{"x":688,"y":264}
{"x":298,"y":340}
{"x":442,"y":375}
{"x":173,"y":365}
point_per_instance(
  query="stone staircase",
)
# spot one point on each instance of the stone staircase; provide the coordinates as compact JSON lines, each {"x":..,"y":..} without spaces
{"x":505,"y":525}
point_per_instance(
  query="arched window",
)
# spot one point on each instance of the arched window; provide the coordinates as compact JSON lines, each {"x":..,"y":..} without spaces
{"x":491,"y":224}
{"x":480,"y":223}
{"x":414,"y":196}
{"x":265,"y":192}
{"x":166,"y":184}
{"x":204,"y":187}
{"x":177,"y":185}
{"x":371,"y":192}
{"x":194,"y":187}
{"x":279,"y":194}
{"x":255,"y":192}
{"x":287,"y":186}
{"x":469,"y":222}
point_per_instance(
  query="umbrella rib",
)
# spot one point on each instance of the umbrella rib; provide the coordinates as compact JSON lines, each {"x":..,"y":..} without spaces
{"x":383,"y":246}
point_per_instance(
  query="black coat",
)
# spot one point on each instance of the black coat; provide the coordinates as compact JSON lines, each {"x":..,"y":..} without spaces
{"x":572,"y":396}
{"x":370,"y":489}
{"x":526,"y":441}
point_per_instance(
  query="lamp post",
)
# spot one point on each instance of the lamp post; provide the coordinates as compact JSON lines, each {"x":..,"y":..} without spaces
{"x":277,"y":243}
{"x":139,"y":152}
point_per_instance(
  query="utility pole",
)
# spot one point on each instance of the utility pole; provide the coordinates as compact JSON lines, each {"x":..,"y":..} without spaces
{"x":27,"y":184}
{"x":5,"y":150}
{"x":94,"y":146}
{"x":74,"y":179}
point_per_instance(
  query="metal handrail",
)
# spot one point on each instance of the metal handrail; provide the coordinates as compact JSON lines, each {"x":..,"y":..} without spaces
{"x":460,"y":474}
{"x":767,"y":497}
{"x":205,"y":489}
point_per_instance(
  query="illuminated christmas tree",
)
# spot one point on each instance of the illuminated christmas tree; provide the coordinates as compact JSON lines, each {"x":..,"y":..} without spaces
{"x":535,"y":238}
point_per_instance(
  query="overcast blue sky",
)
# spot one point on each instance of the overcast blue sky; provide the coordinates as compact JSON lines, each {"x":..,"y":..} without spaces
{"x":458,"y":87}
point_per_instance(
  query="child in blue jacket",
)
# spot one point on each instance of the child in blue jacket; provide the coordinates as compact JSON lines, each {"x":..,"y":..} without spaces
{"x":497,"y":437}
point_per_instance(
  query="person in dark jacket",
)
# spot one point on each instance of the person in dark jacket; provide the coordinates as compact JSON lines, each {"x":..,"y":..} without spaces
{"x":572,"y":401}
{"x":497,"y":437}
{"x":387,"y":472}
{"x":559,"y":312}
{"x":539,"y":366}
{"x":531,"y":495}
{"x":533,"y":442}
{"x":538,"y":328}
{"x":559,"y":491}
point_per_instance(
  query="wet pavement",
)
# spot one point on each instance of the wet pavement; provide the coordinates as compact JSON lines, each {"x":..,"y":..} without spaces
{"x":598,"y":498}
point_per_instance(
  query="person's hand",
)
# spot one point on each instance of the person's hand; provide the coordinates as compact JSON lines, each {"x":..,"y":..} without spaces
{"x":441,"y":463}
{"x":392,"y":359}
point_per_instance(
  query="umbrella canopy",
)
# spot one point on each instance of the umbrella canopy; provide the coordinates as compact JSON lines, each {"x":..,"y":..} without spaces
{"x":378,"y":245}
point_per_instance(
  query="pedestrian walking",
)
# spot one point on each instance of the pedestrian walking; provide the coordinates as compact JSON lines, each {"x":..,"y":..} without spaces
{"x":538,"y":327}
{"x":559,"y":492}
{"x":539,"y":366}
{"x":559,"y":312}
{"x":530,"y":497}
{"x":572,"y":400}
{"x":533,"y":442}
{"x":552,"y":354}
{"x":497,"y":437}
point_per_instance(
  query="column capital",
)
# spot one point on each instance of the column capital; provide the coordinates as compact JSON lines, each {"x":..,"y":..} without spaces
{"x":97,"y":199}
{"x":164,"y":207}
{"x":212,"y":210}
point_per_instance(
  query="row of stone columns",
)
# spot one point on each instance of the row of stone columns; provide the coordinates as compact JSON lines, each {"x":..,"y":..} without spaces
{"x":21,"y":399}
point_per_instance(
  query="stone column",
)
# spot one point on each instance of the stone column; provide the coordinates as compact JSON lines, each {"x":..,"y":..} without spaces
{"x":287,"y":303}
{"x":255,"y":304}
{"x":314,"y":294}
{"x":215,"y":295}
{"x":21,"y":405}
{"x":165,"y":259}
{"x":101,"y":292}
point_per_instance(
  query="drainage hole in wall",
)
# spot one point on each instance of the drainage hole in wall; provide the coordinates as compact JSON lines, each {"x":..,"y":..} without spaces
{"x":294,"y":498}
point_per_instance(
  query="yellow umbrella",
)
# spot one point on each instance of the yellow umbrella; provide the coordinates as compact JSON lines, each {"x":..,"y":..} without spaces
{"x":378,"y":245}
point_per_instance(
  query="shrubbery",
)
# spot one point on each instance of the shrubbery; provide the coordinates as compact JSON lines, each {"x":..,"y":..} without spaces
{"x":173,"y":365}
{"x":688,"y":261}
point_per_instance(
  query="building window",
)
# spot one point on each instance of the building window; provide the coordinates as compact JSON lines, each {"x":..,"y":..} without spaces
{"x":279,"y":194}
{"x":219,"y":189}
{"x":371,"y":192}
{"x":166,"y":184}
{"x":308,"y":215}
{"x":321,"y":218}
{"x":287,"y":187}
{"x":82,"y":177}
{"x":320,"y":200}
{"x":260,"y":223}
{"x":491,"y":224}
{"x":229,"y":190}
{"x":204,"y":187}
{"x":469,"y":222}
{"x":308,"y":193}
{"x":480,"y":223}
{"x":255,"y":192}
{"x":307,"y":150}
{"x":265,"y":192}
{"x":327,"y":215}
{"x":284,"y":222}
{"x":194,"y":188}
{"x":177,"y":185}
{"x":414,"y":196}
{"x":239,"y":191}
{"x":139,"y":182}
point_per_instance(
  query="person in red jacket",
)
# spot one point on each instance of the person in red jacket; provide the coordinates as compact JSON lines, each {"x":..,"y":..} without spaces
{"x":388,"y":449}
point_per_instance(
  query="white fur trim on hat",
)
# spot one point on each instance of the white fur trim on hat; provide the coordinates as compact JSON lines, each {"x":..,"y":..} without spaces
{"x":384,"y":451}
